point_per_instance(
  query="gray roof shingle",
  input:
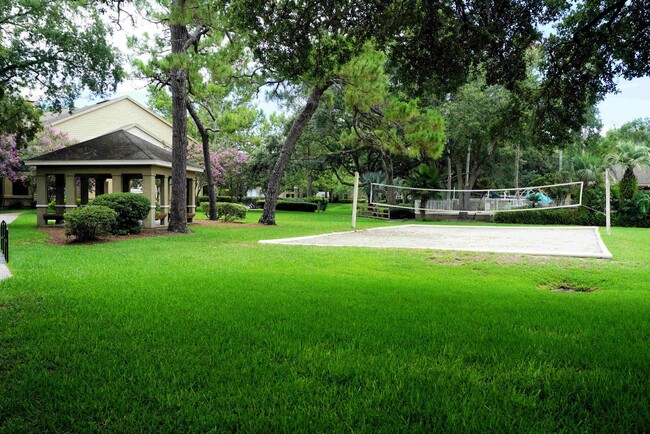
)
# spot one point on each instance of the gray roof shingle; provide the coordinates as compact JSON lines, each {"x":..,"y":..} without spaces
{"x":116,"y":146}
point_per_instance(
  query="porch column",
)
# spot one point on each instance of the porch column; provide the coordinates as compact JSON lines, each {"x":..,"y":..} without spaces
{"x":149,"y":190}
{"x":70,"y":192}
{"x":41,"y":198}
{"x":117,"y":183}
{"x":164,"y":197}
{"x":191,"y":197}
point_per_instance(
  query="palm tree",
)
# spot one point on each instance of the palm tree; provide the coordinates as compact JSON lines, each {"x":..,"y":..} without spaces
{"x":629,"y":155}
{"x":588,"y":168}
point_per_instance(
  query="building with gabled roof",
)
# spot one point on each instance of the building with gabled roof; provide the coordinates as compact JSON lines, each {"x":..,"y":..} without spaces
{"x":110,"y":163}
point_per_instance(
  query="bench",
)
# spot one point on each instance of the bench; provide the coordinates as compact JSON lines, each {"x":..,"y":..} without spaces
{"x":58,"y":218}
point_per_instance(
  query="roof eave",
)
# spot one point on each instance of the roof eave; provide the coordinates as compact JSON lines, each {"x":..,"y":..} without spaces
{"x":160,"y":163}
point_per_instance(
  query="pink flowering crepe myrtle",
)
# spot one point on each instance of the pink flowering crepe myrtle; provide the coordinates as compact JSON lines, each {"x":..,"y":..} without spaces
{"x":12,"y":157}
{"x":10,"y":161}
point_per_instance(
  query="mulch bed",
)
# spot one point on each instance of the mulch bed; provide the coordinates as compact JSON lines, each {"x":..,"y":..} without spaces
{"x":56,"y":234}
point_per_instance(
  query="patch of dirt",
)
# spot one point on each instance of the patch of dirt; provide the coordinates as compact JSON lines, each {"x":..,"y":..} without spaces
{"x":565,"y":286}
{"x":56,"y":235}
{"x":464,"y":258}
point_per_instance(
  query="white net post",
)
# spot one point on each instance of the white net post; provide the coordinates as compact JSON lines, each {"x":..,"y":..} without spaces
{"x":608,"y":205}
{"x":355,"y":198}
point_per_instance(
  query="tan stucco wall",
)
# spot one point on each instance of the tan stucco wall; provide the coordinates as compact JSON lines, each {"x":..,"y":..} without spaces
{"x":6,"y":191}
{"x":111,"y":116}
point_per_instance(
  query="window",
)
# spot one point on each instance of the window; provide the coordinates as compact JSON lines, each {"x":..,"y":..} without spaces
{"x":19,"y":189}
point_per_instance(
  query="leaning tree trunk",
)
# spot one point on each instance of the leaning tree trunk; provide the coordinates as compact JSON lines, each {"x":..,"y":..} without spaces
{"x":273,"y":189}
{"x":178,"y":211}
{"x":205,"y":141}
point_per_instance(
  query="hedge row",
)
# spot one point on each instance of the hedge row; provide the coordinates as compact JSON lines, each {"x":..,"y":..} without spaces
{"x":228,"y":199}
{"x":567,"y":216}
{"x":290,"y":205}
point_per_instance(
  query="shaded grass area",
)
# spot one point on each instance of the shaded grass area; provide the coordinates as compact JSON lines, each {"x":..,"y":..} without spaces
{"x":214,"y":332}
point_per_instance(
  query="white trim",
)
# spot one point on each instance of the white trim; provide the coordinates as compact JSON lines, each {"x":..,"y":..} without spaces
{"x":41,"y":206}
{"x":69,"y":206}
{"x":152,"y":206}
{"x":160,"y":163}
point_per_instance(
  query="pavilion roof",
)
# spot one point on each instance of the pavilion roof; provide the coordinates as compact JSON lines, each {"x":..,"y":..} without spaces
{"x":116,"y":148}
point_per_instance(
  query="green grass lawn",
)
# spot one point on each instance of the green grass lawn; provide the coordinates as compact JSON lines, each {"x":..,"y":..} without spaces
{"x":215,"y":332}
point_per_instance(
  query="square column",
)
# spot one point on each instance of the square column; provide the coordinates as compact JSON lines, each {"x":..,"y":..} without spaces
{"x":117,"y":183}
{"x":41,"y":199}
{"x":164,"y":197}
{"x":191,"y":200}
{"x":149,"y":191}
{"x":70,"y":192}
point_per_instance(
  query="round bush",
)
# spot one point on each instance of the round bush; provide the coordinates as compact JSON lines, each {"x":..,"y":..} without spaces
{"x":131,"y":209}
{"x":90,"y":222}
{"x":231,"y":211}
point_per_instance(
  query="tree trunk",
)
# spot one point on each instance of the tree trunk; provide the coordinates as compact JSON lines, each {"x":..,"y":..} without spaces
{"x":273,"y":189}
{"x":178,"y":210}
{"x":205,"y":141}
{"x":517,"y":158}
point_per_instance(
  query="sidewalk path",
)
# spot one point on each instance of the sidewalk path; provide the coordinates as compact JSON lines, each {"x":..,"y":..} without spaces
{"x":4,"y":270}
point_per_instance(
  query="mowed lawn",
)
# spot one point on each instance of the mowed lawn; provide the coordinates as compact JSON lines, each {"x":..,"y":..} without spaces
{"x":213,"y":332}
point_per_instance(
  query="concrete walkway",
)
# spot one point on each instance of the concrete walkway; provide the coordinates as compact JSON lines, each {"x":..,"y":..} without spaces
{"x":4,"y":270}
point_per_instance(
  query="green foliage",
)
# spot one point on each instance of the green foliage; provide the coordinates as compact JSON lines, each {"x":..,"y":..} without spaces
{"x":567,"y":216}
{"x":628,"y":186}
{"x":633,"y":212}
{"x":56,"y":48}
{"x":231,"y":211}
{"x":629,"y":155}
{"x":131,"y":209}
{"x":292,"y":205}
{"x":401,"y":214}
{"x":88,"y":223}
{"x":480,"y":118}
{"x":201,"y":199}
{"x":228,"y":211}
{"x":385,"y":121}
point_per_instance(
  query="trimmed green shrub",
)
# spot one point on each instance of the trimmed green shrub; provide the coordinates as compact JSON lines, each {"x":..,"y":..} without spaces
{"x":201,"y":199}
{"x":292,"y":205}
{"x":231,"y":211}
{"x":131,"y":209}
{"x":89,"y":222}
{"x":360,"y":200}
{"x":205,"y":208}
{"x":227,"y":211}
{"x":568,"y":216}
{"x":401,"y":214}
